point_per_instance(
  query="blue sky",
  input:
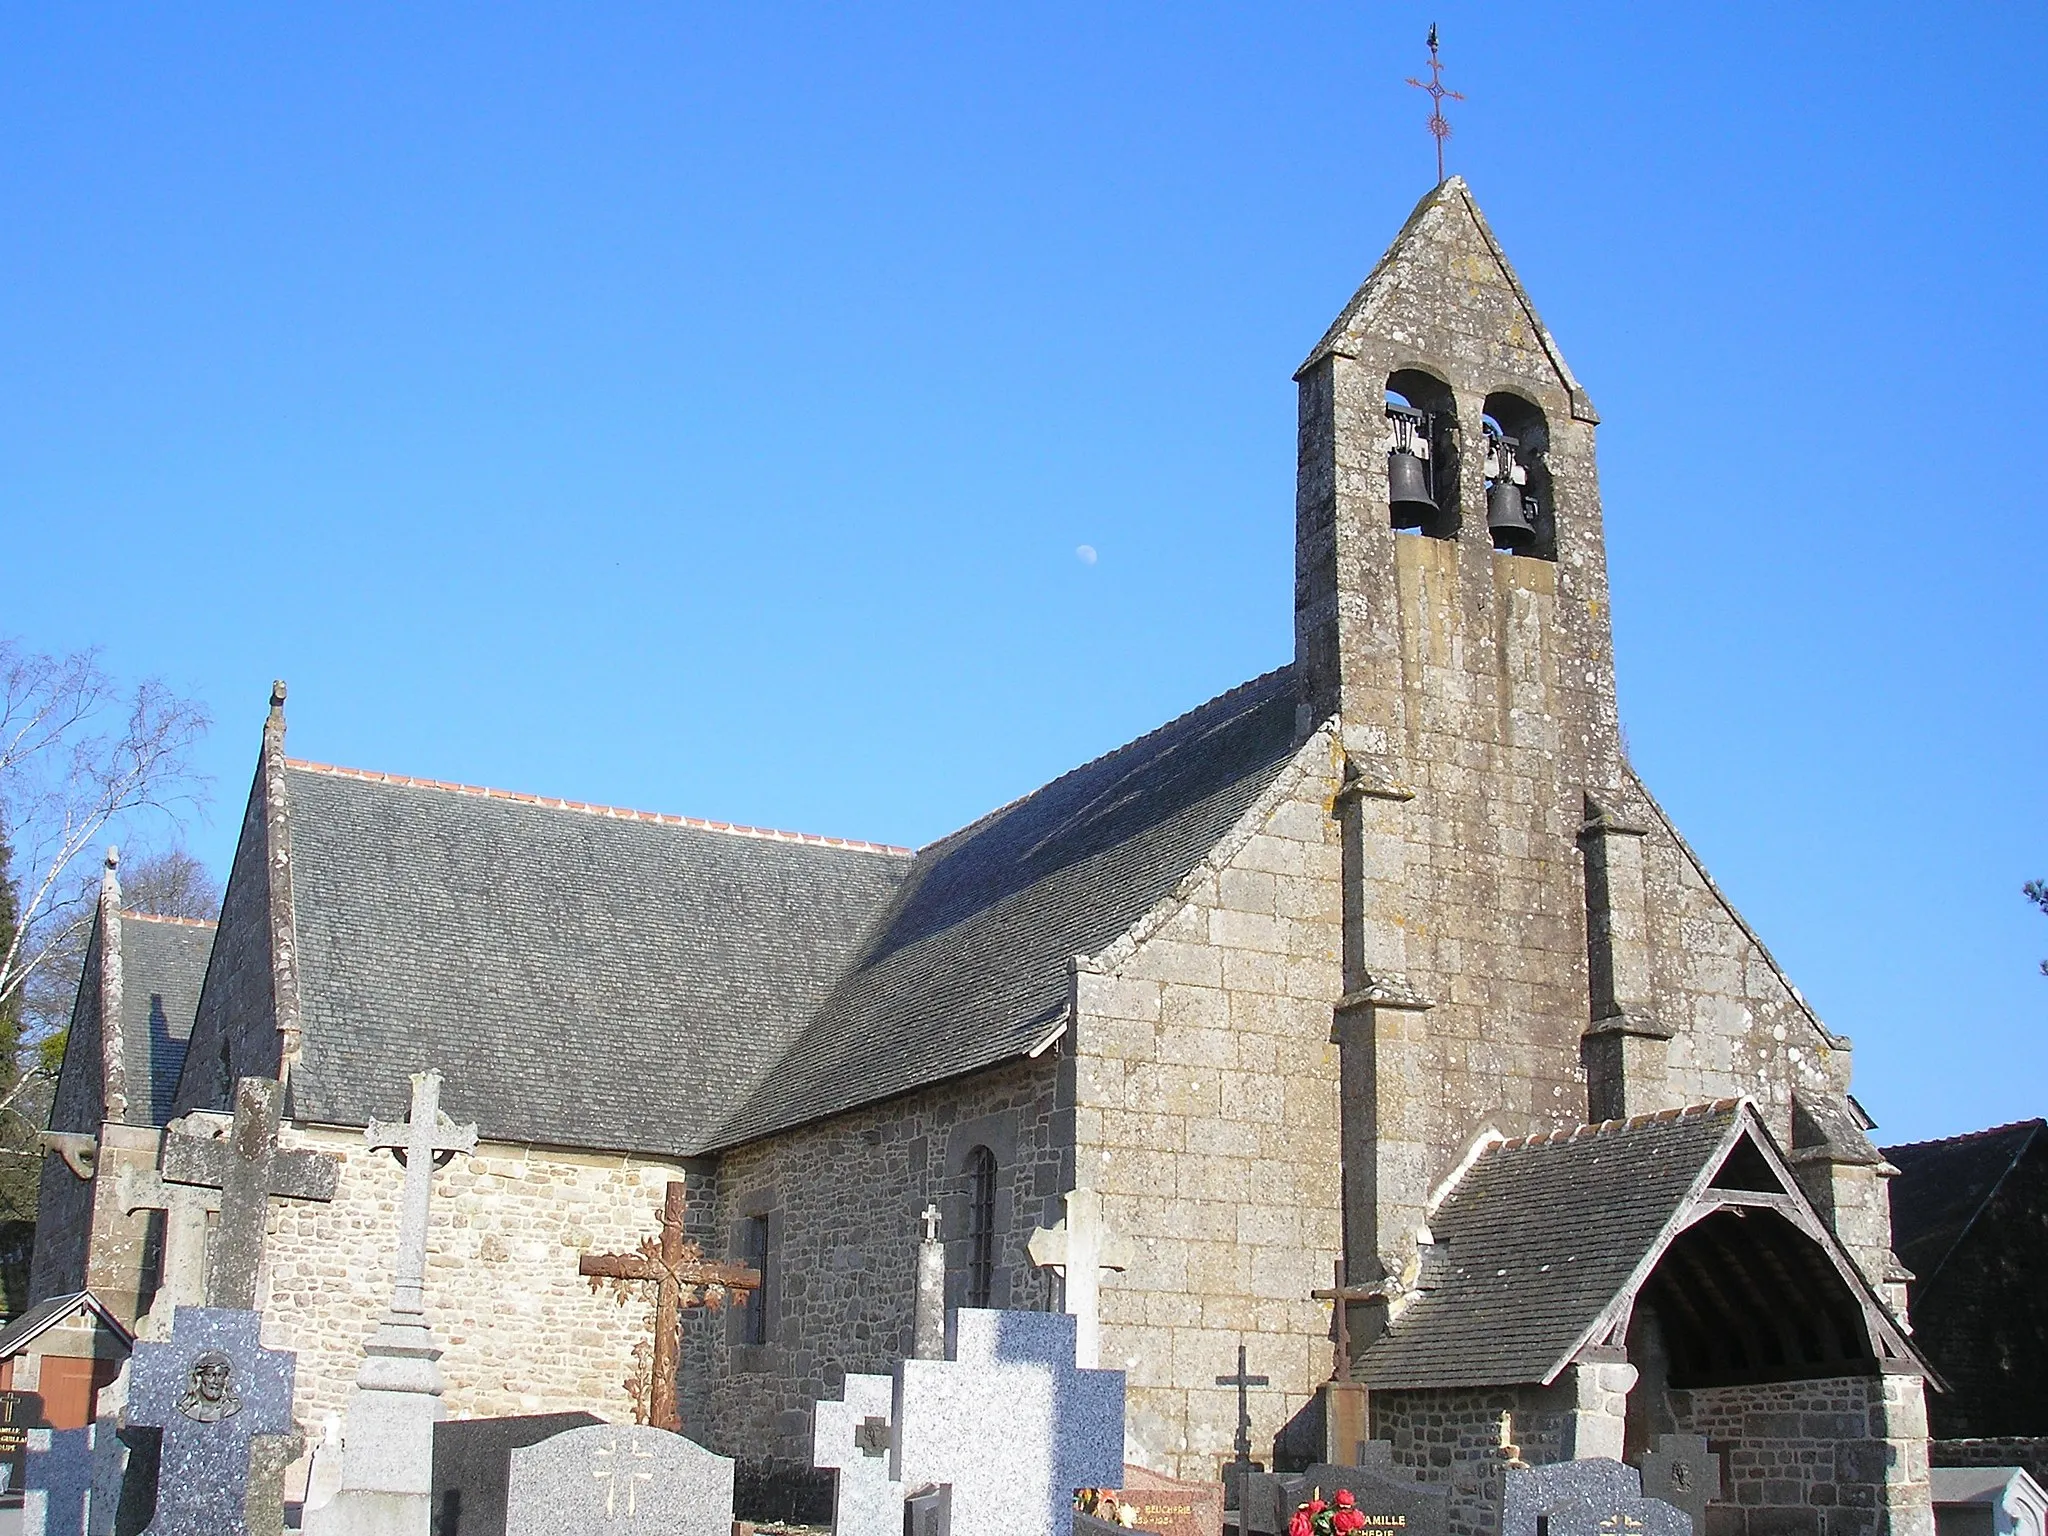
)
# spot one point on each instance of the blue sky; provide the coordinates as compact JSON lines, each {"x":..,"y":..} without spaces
{"x":699,"y":408}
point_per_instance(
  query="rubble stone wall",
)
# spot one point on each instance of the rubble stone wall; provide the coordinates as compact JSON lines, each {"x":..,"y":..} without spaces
{"x":843,"y":1200}
{"x":524,"y":1333}
{"x":1453,"y":1435}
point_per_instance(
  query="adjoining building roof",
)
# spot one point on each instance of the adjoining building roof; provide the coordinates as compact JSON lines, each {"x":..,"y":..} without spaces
{"x":163,"y":966}
{"x":582,"y":977}
{"x":969,"y":966}
{"x":1942,"y":1187}
{"x":1544,"y":1243}
{"x":52,"y":1310}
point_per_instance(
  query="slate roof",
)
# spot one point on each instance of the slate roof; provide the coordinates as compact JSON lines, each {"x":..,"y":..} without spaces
{"x":1535,"y":1241}
{"x":163,"y":966}
{"x":1943,"y":1185}
{"x":581,"y":977}
{"x":969,"y":966}
{"x":48,"y":1313}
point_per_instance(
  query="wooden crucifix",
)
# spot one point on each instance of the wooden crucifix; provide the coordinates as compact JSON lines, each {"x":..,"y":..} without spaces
{"x":681,"y":1276}
{"x":1342,"y":1295}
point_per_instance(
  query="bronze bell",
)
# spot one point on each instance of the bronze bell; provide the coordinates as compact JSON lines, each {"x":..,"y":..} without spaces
{"x":1510,"y":516}
{"x":1408,"y":488}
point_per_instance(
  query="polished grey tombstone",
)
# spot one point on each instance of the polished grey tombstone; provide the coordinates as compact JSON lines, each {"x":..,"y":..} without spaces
{"x":619,"y":1480}
{"x":855,"y":1437}
{"x":1009,"y":1424}
{"x":1391,"y":1499}
{"x":1594,"y":1497}
{"x":473,"y":1466}
{"x":59,"y":1482}
{"x":222,"y":1401}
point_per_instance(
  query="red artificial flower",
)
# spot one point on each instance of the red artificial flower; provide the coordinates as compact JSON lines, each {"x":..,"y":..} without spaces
{"x":1346,"y":1518}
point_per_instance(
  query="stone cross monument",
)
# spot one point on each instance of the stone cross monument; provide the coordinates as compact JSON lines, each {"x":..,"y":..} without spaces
{"x":248,"y":1169}
{"x":1079,"y":1248}
{"x":928,"y":1322}
{"x":387,"y":1457}
{"x":679,"y":1273}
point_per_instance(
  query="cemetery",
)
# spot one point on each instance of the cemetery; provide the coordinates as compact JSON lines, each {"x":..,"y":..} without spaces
{"x":1349,"y":1108}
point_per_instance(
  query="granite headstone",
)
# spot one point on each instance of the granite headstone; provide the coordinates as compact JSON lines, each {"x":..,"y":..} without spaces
{"x":224,"y":1404}
{"x":929,"y":1512}
{"x":1171,"y":1506}
{"x":1009,"y":1423}
{"x":1682,"y":1472}
{"x":619,"y":1480}
{"x":855,"y":1438}
{"x":1593,"y":1497}
{"x":20,"y":1412}
{"x":1391,"y":1499}
{"x":58,"y":1497}
{"x":473,"y":1467}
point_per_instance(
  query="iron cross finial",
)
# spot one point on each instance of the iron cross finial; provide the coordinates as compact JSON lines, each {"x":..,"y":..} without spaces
{"x":1438,"y":93}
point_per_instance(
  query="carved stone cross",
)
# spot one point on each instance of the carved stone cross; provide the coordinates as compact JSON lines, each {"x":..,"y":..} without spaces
{"x":424,"y":1142}
{"x":1080,"y":1248}
{"x":249,"y":1169}
{"x":183,"y":1269}
{"x":680,"y":1274}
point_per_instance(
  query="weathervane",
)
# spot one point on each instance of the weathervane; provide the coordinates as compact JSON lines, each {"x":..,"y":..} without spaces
{"x":1439,"y":126}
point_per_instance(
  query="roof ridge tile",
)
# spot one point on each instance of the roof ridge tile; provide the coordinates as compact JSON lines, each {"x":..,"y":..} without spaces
{"x":2036,"y":1124}
{"x":1595,"y":1128}
{"x":129,"y":914}
{"x":611,"y":812}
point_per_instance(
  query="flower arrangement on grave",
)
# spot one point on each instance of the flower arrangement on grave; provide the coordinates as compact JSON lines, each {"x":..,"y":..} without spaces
{"x":1339,"y":1517}
{"x":1105,"y":1505}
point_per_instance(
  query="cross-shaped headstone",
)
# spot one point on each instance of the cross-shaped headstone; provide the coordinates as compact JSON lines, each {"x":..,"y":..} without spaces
{"x":248,"y":1168}
{"x":680,"y":1273}
{"x":425,"y":1141}
{"x":1079,"y":1248}
{"x":1340,"y":1296}
{"x":182,"y":1274}
{"x":854,"y":1437}
{"x":213,"y":1390}
{"x":1243,"y":1381}
{"x":1682,"y":1471}
{"x":1010,"y":1424}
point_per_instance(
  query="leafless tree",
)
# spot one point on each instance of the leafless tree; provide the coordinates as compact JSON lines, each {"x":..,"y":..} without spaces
{"x":80,"y":755}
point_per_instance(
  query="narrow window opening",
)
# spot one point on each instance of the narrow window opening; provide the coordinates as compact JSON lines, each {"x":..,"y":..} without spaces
{"x":754,"y":1254}
{"x":1422,"y":455}
{"x":981,"y":1227}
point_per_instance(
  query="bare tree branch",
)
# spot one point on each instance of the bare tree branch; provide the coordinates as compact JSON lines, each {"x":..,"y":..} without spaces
{"x":80,"y":754}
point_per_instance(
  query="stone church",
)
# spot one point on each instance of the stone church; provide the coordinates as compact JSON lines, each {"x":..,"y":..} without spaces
{"x":1383,"y":957}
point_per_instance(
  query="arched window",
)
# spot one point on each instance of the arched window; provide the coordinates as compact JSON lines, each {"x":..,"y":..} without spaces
{"x":1422,"y":454}
{"x":1521,"y":511}
{"x":981,"y":1227}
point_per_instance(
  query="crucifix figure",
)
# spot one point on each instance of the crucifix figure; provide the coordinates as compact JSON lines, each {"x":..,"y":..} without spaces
{"x":426,"y":1140}
{"x":680,"y":1275}
{"x":249,"y":1169}
{"x":1079,"y":1248}
{"x":1243,"y":1383}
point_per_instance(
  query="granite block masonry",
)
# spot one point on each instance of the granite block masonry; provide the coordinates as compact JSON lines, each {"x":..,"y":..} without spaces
{"x":214,"y":1391}
{"x":1009,"y":1424}
{"x":619,"y":1480}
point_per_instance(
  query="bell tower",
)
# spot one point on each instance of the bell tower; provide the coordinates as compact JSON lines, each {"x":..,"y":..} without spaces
{"x":1451,"y":613}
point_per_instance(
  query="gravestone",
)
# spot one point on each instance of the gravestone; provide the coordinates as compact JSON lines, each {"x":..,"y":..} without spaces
{"x":20,"y":1412}
{"x":1682,"y":1472}
{"x":473,"y":1467}
{"x":58,"y":1496}
{"x":1389,"y":1499}
{"x":1009,"y":1424}
{"x":1594,"y":1497}
{"x":619,"y":1480}
{"x":854,"y":1436}
{"x":929,"y":1512}
{"x":224,"y":1406}
{"x":1170,"y":1505}
{"x":387,"y":1447}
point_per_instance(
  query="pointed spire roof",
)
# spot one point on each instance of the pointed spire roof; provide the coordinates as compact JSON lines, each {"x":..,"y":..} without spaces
{"x":1447,"y":217}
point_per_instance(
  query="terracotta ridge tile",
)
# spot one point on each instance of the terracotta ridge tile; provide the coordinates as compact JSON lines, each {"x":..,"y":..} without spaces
{"x":611,"y":812}
{"x":127,"y":914}
{"x":1615,"y":1127}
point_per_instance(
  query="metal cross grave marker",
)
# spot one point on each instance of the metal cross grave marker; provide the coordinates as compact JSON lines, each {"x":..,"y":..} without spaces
{"x":680,"y":1273}
{"x":1243,"y":1383}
